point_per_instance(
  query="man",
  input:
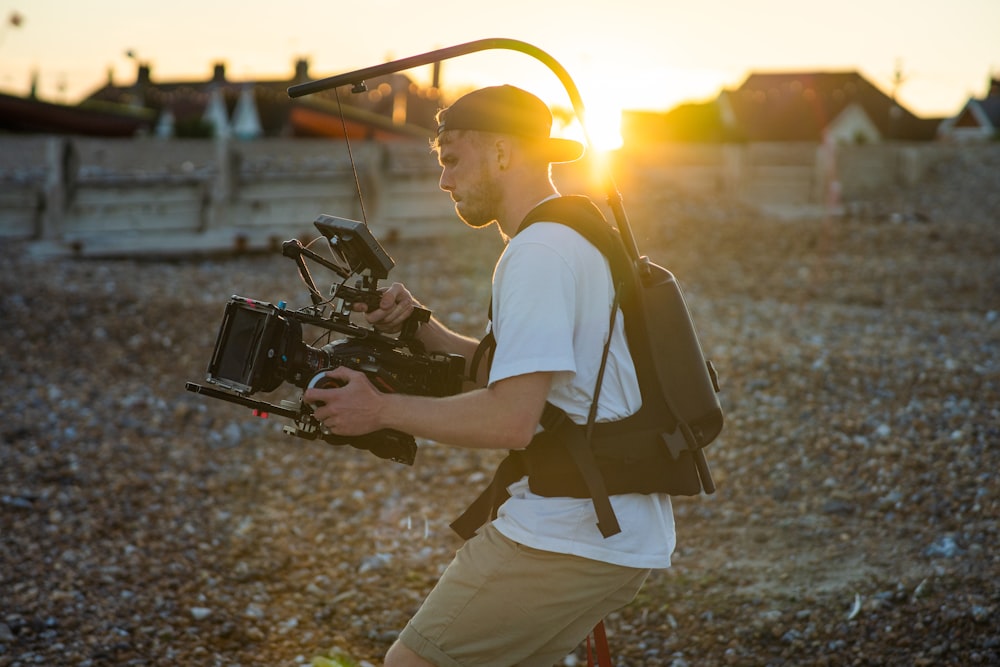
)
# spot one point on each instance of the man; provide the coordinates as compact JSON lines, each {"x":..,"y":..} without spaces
{"x":528,"y":588}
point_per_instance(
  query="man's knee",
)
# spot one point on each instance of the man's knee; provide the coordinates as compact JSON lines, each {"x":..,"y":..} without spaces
{"x":400,"y":656}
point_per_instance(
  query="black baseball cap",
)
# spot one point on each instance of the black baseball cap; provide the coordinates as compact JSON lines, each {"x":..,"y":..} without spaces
{"x":508,"y":110}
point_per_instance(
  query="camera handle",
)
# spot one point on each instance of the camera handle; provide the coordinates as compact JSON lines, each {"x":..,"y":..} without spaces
{"x":296,"y":251}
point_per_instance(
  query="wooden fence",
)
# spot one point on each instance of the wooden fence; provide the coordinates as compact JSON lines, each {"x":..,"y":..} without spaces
{"x":97,"y":197}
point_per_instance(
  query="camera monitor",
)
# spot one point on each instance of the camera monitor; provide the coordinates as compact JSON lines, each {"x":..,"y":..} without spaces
{"x":354,"y":248}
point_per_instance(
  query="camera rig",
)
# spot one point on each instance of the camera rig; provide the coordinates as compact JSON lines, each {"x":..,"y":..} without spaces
{"x":260,"y":345}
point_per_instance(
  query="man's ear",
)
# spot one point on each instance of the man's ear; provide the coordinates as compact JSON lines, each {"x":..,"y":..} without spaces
{"x":502,"y":148}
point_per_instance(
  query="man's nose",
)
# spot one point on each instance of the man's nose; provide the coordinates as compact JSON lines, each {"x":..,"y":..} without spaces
{"x":445,"y":183}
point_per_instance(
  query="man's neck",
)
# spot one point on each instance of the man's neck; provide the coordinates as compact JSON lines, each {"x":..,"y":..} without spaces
{"x":515,"y":211}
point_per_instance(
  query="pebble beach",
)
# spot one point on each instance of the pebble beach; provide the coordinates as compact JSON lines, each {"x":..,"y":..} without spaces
{"x":858,"y":504}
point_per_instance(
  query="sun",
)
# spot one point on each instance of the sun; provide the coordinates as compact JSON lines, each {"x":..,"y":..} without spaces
{"x":604,"y":124}
{"x":604,"y":105}
{"x":603,"y":127}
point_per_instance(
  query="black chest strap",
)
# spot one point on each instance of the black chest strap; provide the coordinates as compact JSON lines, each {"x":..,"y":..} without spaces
{"x":540,"y":461}
{"x":485,"y":506}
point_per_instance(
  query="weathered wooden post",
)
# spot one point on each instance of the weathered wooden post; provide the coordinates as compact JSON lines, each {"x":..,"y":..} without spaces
{"x":61,"y":164}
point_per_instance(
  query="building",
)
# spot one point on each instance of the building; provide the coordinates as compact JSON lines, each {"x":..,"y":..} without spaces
{"x":979,"y":119}
{"x":794,"y":106}
{"x":392,"y":107}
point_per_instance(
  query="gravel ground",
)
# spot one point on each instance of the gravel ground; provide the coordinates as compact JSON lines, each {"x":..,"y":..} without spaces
{"x":855,"y":522}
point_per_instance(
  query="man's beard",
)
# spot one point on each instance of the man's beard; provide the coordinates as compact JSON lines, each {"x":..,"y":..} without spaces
{"x":480,"y":207}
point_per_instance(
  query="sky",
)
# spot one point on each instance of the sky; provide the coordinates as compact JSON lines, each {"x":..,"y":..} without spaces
{"x":622,"y":54}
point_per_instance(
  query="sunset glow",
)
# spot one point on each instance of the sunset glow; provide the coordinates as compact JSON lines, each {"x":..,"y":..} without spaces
{"x":641,"y":55}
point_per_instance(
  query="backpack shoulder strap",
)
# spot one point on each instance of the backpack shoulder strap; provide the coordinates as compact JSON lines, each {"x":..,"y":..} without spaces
{"x":582,"y":215}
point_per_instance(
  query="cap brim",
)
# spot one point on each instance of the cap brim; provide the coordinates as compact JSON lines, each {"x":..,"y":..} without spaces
{"x":564,"y":150}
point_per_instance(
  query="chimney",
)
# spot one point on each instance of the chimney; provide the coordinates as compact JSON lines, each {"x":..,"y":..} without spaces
{"x":219,"y":73}
{"x":137,"y":95}
{"x":301,"y":70}
{"x":994,"y":88}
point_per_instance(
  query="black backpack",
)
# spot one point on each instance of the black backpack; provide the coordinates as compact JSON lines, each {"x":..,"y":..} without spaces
{"x":656,"y":450}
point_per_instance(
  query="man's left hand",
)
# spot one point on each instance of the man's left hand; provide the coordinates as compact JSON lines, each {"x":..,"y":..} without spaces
{"x":353,"y":408}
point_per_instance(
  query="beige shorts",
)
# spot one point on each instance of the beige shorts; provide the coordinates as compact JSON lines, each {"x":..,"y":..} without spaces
{"x":500,"y":603}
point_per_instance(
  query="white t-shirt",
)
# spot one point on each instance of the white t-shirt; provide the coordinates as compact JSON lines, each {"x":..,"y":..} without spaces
{"x":552,"y":296}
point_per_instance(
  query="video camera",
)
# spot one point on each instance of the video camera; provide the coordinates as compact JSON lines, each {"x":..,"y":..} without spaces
{"x":261,"y":345}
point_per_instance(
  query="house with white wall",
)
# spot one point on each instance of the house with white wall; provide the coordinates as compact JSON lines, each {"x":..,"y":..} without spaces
{"x":979,"y":119}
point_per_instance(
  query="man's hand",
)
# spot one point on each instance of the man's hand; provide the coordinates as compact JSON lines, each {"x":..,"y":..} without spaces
{"x":352,"y":408}
{"x":395,"y":306}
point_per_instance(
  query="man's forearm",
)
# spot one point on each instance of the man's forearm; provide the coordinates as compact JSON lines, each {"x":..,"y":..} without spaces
{"x":503,"y":416}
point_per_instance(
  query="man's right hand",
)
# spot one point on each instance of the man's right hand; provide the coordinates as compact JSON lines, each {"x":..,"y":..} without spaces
{"x":394,"y":308}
